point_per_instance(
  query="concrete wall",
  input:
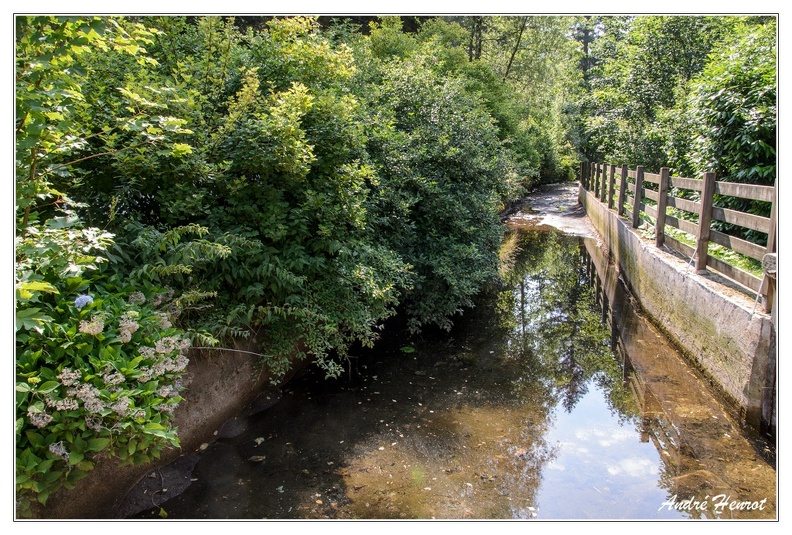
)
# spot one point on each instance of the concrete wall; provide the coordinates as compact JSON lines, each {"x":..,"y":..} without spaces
{"x":715,"y":327}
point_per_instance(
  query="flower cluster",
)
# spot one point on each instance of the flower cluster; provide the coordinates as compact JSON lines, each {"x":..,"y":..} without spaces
{"x":82,"y":301}
{"x":59,"y":450}
{"x":38,"y":418}
{"x":137,"y":298}
{"x":115,"y":378}
{"x":169,"y":344}
{"x":89,"y":395}
{"x":120,"y":407}
{"x":127,"y":326}
{"x":164,"y":322}
{"x":68,"y":404}
{"x":94,"y":327}
{"x":68,"y":376}
{"x":163,"y":366}
{"x":93,"y":423}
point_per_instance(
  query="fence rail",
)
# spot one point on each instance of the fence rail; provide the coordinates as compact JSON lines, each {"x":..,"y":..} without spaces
{"x":625,"y":191}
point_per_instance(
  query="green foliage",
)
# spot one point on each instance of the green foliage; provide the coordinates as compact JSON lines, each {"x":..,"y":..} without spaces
{"x":387,"y":41}
{"x":535,"y":61}
{"x":733,"y":109}
{"x":98,"y":363}
{"x":97,"y":370}
{"x":733,"y":104}
{"x":641,"y":65}
{"x":441,"y":169}
{"x":179,"y":179}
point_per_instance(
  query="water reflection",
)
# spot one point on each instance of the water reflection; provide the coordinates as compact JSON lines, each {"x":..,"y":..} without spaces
{"x":721,"y":469}
{"x":549,"y":400}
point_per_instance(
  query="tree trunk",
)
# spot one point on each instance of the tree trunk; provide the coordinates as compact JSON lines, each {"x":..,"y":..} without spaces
{"x":516,"y":48}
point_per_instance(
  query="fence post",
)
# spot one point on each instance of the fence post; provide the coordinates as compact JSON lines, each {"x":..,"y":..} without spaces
{"x":662,"y":203}
{"x":587,"y":174}
{"x":705,"y":218}
{"x":639,"y":176}
{"x":589,"y":182}
{"x":610,"y":186}
{"x":596,"y":179}
{"x":622,"y":189}
{"x":769,"y":283}
{"x":583,"y":178}
{"x":604,"y":183}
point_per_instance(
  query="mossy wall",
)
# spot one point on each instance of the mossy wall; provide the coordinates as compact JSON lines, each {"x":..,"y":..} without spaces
{"x":714,"y":326}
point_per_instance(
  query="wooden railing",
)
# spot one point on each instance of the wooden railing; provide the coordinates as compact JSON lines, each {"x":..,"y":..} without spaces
{"x":625,"y":192}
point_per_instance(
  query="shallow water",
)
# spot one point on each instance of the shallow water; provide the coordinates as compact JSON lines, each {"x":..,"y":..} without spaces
{"x":545,"y":402}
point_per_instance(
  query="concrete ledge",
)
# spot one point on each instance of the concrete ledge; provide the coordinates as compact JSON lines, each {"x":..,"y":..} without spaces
{"x":713,"y":326}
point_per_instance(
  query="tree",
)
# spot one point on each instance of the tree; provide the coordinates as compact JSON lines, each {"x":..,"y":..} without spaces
{"x":441,"y":170}
{"x":733,"y":110}
{"x":642,"y":66}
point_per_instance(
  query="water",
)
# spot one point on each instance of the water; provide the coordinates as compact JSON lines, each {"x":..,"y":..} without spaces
{"x":547,"y":401}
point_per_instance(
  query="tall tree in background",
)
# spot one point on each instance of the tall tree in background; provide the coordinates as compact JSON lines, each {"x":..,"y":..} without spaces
{"x":637,"y":73}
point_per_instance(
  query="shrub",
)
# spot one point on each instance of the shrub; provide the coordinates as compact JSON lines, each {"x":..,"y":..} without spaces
{"x":99,"y":363}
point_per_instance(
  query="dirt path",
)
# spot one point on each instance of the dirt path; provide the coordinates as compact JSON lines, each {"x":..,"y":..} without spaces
{"x":557,"y":206}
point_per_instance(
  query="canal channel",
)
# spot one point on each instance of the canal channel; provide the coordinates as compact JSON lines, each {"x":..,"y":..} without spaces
{"x":544,"y":402}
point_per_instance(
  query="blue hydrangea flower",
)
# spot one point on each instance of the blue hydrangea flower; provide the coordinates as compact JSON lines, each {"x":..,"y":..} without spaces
{"x":83,"y":300}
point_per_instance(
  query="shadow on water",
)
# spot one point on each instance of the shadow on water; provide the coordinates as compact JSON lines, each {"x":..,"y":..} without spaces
{"x":552,"y":399}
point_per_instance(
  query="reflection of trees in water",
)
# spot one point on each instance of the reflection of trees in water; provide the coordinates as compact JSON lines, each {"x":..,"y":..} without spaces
{"x":556,"y":328}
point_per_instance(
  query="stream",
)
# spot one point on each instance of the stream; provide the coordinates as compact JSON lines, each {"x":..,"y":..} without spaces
{"x":544,"y":402}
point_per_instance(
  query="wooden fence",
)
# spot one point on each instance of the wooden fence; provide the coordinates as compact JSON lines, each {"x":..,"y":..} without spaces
{"x":624,"y":191}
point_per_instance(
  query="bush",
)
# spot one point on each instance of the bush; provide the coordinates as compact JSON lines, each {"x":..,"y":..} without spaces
{"x":98,"y":365}
{"x":733,"y":105}
{"x":442,"y":174}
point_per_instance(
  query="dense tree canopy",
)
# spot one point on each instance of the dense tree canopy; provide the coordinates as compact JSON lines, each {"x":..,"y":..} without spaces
{"x":187,"y":181}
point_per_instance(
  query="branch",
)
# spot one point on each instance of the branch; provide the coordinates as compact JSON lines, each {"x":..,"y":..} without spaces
{"x":229,"y":349}
{"x":516,"y":47}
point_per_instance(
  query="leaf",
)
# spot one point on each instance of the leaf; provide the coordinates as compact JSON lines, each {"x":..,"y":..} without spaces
{"x":44,"y":466}
{"x":62,"y":222}
{"x":36,"y":286}
{"x":34,"y":438}
{"x":156,"y":430}
{"x":30,"y":319}
{"x":181,"y":149}
{"x":97,"y":444}
{"x":48,"y":386}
